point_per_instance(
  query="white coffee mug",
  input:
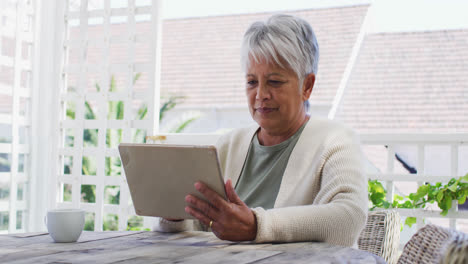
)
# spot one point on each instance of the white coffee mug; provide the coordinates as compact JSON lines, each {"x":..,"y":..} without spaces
{"x":65,"y":225}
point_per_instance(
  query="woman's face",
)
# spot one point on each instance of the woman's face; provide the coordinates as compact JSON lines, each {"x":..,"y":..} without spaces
{"x":275,"y":101}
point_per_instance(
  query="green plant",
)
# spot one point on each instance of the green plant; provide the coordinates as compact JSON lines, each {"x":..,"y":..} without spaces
{"x":135,"y":223}
{"x":177,"y":125}
{"x":443,"y":194}
{"x":111,"y":222}
{"x":89,"y":222}
{"x":168,"y":104}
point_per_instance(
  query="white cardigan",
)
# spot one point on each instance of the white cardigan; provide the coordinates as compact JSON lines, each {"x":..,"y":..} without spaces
{"x":323,"y":193}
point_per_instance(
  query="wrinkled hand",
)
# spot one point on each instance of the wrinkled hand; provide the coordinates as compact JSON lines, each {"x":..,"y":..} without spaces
{"x":232,"y":220}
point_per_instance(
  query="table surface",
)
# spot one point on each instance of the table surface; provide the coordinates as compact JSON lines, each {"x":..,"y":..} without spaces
{"x":154,"y":247}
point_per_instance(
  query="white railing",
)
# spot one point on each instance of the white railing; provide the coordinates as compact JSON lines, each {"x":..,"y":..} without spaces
{"x":451,"y":150}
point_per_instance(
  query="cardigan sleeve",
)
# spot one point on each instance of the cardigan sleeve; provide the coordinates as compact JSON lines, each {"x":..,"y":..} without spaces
{"x":339,"y":210}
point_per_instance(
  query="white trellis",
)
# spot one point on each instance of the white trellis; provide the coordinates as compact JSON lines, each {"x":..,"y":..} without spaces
{"x":17,"y":19}
{"x":454,"y":144}
{"x":103,"y":27}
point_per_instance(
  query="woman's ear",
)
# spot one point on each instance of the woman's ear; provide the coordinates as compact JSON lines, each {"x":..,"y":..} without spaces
{"x":308,"y":86}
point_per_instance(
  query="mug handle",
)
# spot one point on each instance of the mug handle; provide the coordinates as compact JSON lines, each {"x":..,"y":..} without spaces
{"x":45,"y":220}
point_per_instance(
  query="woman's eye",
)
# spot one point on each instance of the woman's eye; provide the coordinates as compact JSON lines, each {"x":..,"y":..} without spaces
{"x":250,"y":83}
{"x":275,"y":83}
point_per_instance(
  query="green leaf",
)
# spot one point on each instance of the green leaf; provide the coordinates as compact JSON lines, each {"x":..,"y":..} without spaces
{"x":108,"y":170}
{"x":440,"y":195}
{"x":407,"y":204}
{"x":170,"y":103}
{"x":113,"y":86}
{"x":377,"y":196}
{"x":447,"y":203}
{"x":410,"y":221}
{"x":378,"y":187}
{"x":453,"y":187}
{"x":462,"y":199}
{"x":464,"y":178}
{"x":137,"y":76}
{"x":423,"y":190}
{"x":119,"y":110}
{"x":185,"y":124}
{"x":142,"y":112}
{"x":385,"y":204}
{"x":70,"y":114}
{"x":89,"y":113}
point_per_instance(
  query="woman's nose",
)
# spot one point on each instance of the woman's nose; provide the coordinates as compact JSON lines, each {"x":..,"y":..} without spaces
{"x":262,"y":92}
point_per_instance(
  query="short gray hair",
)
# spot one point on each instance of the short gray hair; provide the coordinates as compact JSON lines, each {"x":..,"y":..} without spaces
{"x":287,"y":40}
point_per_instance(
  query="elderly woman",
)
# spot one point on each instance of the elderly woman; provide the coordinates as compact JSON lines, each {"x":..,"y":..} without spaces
{"x":296,"y":178}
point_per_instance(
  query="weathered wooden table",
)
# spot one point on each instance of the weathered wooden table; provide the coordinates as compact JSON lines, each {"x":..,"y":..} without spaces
{"x":154,"y":247}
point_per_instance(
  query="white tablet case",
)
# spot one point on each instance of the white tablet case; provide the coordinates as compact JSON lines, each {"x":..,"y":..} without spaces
{"x":160,"y":176}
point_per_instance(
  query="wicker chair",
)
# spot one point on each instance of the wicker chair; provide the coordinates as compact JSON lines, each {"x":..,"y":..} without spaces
{"x":457,"y":251}
{"x":381,"y":235}
{"x":435,"y":244}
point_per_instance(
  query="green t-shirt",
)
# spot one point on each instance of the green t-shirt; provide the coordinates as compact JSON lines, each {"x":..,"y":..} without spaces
{"x":263,"y":171}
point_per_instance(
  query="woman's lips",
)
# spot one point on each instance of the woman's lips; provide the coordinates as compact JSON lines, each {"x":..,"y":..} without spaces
{"x":265,"y":110}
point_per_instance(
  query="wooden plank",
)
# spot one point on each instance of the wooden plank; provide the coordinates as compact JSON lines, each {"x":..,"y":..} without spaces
{"x":344,"y":254}
{"x":159,"y":254}
{"x":120,"y":252}
{"x":323,"y":253}
{"x":93,"y":236}
{"x":23,"y":235}
{"x":155,"y":247}
{"x":8,"y":241}
{"x":201,"y":239}
{"x":44,"y":246}
{"x":22,"y":254}
{"x":249,"y":246}
{"x":106,"y":247}
{"x":159,"y":236}
{"x":89,"y":243}
{"x":227,"y":256}
{"x":295,"y":246}
{"x":35,"y":239}
{"x":147,"y":254}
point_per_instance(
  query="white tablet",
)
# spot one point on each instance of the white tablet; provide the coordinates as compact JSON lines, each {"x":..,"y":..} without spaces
{"x":160,"y":176}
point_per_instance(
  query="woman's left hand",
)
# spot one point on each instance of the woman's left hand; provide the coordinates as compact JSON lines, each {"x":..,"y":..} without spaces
{"x":232,"y":220}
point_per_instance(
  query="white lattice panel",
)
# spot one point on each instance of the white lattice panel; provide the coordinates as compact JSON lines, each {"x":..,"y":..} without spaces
{"x":106,"y":89}
{"x":435,"y":157}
